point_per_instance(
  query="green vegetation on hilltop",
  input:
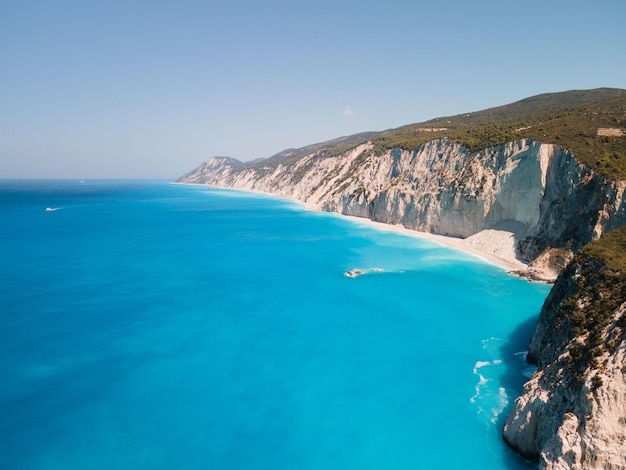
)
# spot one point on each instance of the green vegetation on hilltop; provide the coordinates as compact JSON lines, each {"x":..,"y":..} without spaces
{"x":610,"y":250}
{"x":546,"y":103}
{"x":575,"y":129}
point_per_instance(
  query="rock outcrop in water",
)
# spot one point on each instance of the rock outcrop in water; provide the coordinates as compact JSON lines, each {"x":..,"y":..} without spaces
{"x":551,"y":203}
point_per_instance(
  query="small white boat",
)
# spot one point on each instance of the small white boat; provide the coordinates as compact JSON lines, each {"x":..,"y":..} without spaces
{"x":50,"y":209}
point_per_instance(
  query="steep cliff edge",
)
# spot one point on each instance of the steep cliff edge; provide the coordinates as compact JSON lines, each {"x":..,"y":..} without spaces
{"x":572,"y":413}
{"x":550,"y":203}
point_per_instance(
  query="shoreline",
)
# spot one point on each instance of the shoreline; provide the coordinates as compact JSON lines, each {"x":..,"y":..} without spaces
{"x":460,"y":244}
{"x":509,"y":263}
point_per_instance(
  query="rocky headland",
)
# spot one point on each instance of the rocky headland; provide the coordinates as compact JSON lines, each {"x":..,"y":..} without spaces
{"x":572,"y":413}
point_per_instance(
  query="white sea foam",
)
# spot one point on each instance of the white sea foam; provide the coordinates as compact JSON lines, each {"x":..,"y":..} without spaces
{"x":482,"y":380}
{"x":476,"y":395}
{"x":489,"y":404}
{"x":480,"y":364}
{"x":503,"y":400}
{"x":486,"y":342}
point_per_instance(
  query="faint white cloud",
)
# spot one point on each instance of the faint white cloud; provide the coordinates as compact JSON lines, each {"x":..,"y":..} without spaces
{"x":348,"y":111}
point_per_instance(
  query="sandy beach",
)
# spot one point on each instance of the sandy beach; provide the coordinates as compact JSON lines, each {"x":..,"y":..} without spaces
{"x":493,"y":246}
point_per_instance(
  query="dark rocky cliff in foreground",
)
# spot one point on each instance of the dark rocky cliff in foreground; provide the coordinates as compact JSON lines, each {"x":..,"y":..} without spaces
{"x":572,"y":413}
{"x":549,"y":172}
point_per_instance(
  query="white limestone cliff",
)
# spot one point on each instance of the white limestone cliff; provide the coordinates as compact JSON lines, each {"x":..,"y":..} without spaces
{"x":523,"y":199}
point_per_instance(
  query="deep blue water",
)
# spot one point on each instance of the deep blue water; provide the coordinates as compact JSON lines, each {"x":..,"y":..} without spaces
{"x":154,"y":326}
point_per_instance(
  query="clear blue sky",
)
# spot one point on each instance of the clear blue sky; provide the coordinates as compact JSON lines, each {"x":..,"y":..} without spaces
{"x":152,"y":88}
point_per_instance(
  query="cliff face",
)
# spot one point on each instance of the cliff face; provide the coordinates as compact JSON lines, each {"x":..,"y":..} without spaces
{"x":572,"y":413}
{"x":551,"y":203}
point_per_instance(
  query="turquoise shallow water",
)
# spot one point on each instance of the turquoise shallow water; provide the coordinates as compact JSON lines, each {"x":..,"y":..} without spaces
{"x":156,"y":326}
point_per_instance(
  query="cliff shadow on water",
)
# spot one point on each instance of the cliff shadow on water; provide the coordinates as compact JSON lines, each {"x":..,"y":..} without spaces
{"x":517,"y":370}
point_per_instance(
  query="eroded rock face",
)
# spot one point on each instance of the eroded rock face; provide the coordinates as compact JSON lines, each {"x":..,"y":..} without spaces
{"x":572,"y":413}
{"x":542,"y":190}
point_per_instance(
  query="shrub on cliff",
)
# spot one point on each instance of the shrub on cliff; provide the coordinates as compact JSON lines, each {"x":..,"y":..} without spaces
{"x":599,"y":272}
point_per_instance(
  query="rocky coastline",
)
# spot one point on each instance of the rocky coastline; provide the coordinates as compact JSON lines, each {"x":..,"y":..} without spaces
{"x":572,"y":413}
{"x":541,"y":202}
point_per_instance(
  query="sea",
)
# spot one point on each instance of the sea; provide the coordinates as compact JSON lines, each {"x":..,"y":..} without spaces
{"x":148,"y":325}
